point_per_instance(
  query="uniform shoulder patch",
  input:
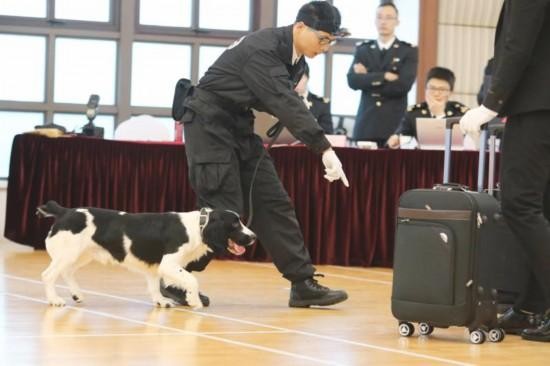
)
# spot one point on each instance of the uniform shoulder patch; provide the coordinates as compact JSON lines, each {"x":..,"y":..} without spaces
{"x":365,"y":42}
{"x":415,"y":107}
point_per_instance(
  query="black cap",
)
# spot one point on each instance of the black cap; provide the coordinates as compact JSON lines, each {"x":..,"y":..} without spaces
{"x":321,"y":15}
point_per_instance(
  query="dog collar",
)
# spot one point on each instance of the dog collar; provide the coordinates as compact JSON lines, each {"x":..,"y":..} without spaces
{"x":203,"y":218}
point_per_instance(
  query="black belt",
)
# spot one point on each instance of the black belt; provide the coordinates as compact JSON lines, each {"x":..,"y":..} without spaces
{"x":223,"y":103}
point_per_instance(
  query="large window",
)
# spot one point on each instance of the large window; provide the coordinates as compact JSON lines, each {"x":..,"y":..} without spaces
{"x":167,"y":13}
{"x":84,"y":67}
{"x":155,"y":69}
{"x":22,"y":73}
{"x":23,"y":8}
{"x":11,"y":124}
{"x":131,"y":53}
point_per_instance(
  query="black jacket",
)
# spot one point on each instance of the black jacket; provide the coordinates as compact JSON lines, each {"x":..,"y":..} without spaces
{"x":382,"y":103}
{"x":257,"y":72}
{"x":320,"y":108}
{"x":407,"y":126}
{"x":521,"y":75}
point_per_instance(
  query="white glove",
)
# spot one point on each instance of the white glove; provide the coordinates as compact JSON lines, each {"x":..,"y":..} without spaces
{"x":333,"y":167}
{"x":471,"y":122}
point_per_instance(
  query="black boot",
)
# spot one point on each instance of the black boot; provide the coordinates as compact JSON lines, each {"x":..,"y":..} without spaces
{"x":179,"y":295}
{"x":309,"y":292}
{"x":514,"y":321}
{"x":540,"y":334}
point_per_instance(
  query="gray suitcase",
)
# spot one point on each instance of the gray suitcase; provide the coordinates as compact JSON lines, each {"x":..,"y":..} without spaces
{"x":453,"y":256}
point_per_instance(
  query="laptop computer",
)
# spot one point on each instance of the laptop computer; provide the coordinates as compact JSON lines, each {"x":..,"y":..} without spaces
{"x":430,"y":134}
{"x":264,"y":121}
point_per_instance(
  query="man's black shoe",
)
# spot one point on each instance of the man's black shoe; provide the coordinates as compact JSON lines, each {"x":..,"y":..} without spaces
{"x":514,"y":322}
{"x":309,"y":292}
{"x":540,"y":334}
{"x":179,"y":295}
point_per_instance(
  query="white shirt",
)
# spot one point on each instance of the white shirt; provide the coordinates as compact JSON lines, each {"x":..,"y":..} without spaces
{"x":386,"y":45}
{"x":295,"y":56}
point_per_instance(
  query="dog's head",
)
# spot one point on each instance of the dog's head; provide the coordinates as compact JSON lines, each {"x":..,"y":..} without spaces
{"x":223,"y":231}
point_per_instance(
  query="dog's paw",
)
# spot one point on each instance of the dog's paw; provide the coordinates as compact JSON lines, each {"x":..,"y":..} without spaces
{"x":56,"y":301}
{"x":194,"y":301}
{"x":164,"y":302}
{"x":78,"y":298}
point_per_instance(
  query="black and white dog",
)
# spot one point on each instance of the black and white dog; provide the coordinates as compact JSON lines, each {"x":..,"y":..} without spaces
{"x":159,"y":245}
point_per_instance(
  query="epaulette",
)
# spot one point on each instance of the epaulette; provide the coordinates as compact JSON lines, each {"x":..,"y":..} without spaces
{"x":415,"y":107}
{"x":460,"y":107}
{"x":365,"y":42}
{"x":326,"y":100}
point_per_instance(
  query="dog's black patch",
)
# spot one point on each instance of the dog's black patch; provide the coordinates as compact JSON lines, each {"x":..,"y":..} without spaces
{"x":152,"y":234}
{"x":74,"y":222}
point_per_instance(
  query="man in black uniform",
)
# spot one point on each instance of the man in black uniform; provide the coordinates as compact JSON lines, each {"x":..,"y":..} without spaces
{"x":261,"y":71}
{"x":440,"y":83}
{"x":519,"y":90}
{"x":318,"y":106}
{"x":384,"y":70}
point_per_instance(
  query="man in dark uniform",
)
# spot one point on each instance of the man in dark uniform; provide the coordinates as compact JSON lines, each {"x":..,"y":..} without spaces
{"x":261,"y":71}
{"x":440,"y":83}
{"x":318,"y":106}
{"x":519,"y":90}
{"x":384,"y":70}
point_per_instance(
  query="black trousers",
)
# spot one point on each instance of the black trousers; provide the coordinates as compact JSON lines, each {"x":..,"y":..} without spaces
{"x":222,"y":153}
{"x":525,"y":179}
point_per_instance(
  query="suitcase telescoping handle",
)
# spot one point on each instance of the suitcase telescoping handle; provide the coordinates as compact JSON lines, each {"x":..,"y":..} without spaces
{"x":449,"y":123}
{"x":488,"y":129}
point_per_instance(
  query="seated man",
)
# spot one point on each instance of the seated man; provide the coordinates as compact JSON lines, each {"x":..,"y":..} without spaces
{"x":439,"y":86}
{"x":318,"y":106}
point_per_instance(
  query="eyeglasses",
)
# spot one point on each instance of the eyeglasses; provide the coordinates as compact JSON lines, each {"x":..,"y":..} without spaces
{"x":323,"y":40}
{"x":433,"y":89}
{"x":386,"y":18}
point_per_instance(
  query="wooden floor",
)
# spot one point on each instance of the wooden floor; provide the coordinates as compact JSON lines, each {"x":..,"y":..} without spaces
{"x":248,"y":322}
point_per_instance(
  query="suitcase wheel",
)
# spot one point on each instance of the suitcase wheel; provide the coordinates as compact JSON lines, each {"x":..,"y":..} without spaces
{"x":496,"y":335}
{"x":425,"y":329}
{"x":406,"y":329}
{"x":477,"y":336}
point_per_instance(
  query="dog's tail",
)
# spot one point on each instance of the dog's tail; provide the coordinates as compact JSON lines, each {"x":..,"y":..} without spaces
{"x":50,"y":209}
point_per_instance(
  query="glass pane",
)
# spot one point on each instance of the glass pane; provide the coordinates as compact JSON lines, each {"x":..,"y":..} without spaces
{"x":287,"y":11}
{"x":169,"y":13}
{"x":316,"y":82}
{"x":344,"y":100}
{"x":74,"y":122}
{"x":94,"y":11}
{"x":409,"y":20}
{"x":156,"y":67}
{"x":23,"y":8}
{"x":359,"y":18}
{"x":11,"y":124}
{"x":207,"y":56}
{"x":91,"y":72}
{"x":223,"y":14}
{"x":22,"y":74}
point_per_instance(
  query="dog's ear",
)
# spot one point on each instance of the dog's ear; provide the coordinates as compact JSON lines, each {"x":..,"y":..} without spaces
{"x":214,"y":234}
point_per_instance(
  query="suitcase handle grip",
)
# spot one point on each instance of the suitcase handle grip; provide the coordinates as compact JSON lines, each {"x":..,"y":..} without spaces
{"x":451,"y":187}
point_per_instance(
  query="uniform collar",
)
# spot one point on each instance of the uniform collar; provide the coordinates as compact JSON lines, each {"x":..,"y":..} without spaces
{"x":386,"y":45}
{"x":295,"y":56}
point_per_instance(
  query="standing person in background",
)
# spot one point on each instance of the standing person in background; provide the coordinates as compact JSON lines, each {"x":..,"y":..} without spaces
{"x":225,"y":157}
{"x":384,"y":70}
{"x":519,"y":90}
{"x":318,"y":106}
{"x":440,"y":83}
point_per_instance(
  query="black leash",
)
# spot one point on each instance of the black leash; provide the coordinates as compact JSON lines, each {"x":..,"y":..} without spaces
{"x":273,"y":132}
